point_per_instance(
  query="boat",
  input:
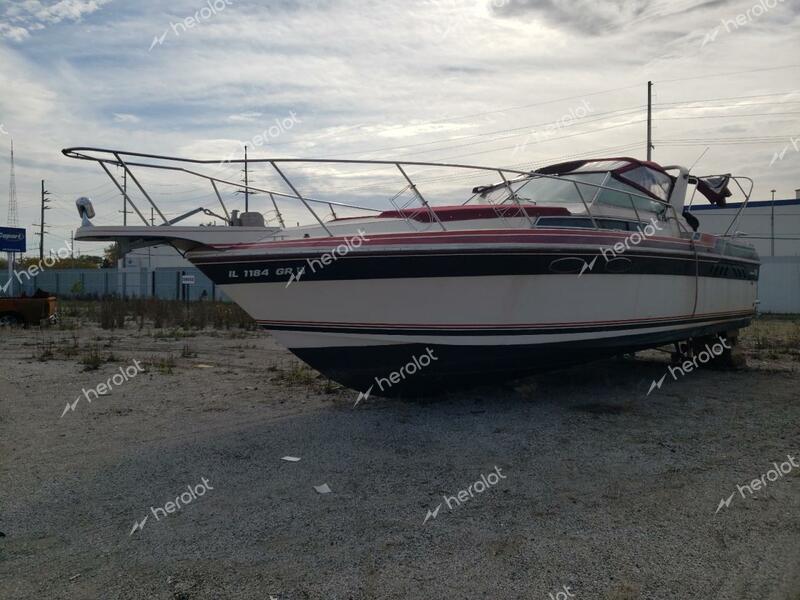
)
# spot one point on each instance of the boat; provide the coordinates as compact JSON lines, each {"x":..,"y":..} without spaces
{"x":527,"y":271}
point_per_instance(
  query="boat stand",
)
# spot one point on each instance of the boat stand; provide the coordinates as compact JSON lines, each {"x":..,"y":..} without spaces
{"x":695,"y":349}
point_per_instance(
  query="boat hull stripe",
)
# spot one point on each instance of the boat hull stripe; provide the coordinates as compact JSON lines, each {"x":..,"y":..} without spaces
{"x":399,"y":266}
{"x":494,"y":330}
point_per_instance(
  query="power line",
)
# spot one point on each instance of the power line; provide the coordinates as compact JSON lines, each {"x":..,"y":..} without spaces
{"x":728,"y":98}
{"x":728,"y":116}
{"x":726,"y":74}
{"x":595,"y":118}
{"x":529,"y":129}
{"x":468,"y":116}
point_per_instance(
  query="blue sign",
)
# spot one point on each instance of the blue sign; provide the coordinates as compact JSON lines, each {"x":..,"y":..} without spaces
{"x":12,"y":240}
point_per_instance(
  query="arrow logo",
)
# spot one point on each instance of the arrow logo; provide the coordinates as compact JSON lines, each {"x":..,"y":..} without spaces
{"x":725,"y":503}
{"x":158,"y":40}
{"x":6,"y":286}
{"x":711,"y":36}
{"x":70,"y":407}
{"x":363,"y":395}
{"x":432,"y":515}
{"x":138,"y":525}
{"x":296,"y":276}
{"x":776,"y":157}
{"x":588,"y":266}
{"x":657,"y":384}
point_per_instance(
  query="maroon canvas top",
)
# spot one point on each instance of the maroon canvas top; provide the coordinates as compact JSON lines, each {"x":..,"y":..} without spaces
{"x":472,"y":212}
{"x":568,"y":167}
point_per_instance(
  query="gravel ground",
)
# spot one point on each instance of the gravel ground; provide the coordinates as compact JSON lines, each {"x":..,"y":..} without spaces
{"x":605,"y":492}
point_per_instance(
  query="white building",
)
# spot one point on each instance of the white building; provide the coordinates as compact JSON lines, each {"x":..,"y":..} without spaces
{"x":774,"y":229}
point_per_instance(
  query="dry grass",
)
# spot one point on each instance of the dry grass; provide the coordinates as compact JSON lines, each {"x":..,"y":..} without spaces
{"x":624,"y":591}
{"x":297,"y":374}
{"x":163,"y":364}
{"x":774,"y":337}
{"x":117,"y":313}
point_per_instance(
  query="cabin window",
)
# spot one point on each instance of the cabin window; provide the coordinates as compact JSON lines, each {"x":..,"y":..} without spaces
{"x":658,"y":184}
{"x":549,"y":190}
{"x":614,"y":224}
{"x":625,"y":196}
{"x":580,"y":222}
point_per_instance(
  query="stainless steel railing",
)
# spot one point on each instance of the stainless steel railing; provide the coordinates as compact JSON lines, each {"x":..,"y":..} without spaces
{"x":509,"y":177}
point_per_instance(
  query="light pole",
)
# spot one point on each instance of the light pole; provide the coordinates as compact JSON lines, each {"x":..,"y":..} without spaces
{"x":772,"y":224}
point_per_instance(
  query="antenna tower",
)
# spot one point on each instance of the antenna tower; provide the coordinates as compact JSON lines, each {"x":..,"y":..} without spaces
{"x":13,"y":219}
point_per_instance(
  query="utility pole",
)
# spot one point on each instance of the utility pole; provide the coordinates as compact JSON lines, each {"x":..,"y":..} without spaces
{"x":246,"y":184}
{"x":72,"y":245}
{"x":649,"y":120}
{"x":45,"y":193}
{"x":125,"y":198}
{"x":772,"y":224}
{"x":246,"y":191}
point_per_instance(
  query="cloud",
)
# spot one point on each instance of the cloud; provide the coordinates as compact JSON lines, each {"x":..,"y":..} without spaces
{"x":125,"y":118}
{"x":17,"y":20}
{"x":69,"y":10}
{"x":245,"y":117}
{"x":598,"y":17}
{"x":13,"y":33}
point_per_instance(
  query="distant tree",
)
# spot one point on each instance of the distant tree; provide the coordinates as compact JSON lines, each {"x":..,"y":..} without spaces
{"x":111,"y":256}
{"x":84,"y":261}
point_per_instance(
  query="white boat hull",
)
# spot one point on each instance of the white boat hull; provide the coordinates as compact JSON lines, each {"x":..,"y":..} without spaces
{"x":484,"y":328}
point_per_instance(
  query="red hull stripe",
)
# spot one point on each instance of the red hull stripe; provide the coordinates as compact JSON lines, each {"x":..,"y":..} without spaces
{"x":544,"y":236}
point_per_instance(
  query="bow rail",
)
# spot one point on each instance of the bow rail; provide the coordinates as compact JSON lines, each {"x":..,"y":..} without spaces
{"x":127,"y":160}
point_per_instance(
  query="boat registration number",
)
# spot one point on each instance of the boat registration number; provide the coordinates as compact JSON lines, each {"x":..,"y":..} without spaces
{"x":253,"y":273}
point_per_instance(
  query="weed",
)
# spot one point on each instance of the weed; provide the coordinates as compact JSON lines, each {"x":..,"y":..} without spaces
{"x":163,"y":364}
{"x":92,"y":360}
{"x":44,"y":351}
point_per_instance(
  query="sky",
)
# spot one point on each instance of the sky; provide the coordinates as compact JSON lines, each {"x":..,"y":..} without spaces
{"x":511,"y":83}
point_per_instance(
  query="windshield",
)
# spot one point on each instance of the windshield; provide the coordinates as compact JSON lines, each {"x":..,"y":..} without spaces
{"x":627,"y":197}
{"x":547,"y":190}
{"x":550,"y":191}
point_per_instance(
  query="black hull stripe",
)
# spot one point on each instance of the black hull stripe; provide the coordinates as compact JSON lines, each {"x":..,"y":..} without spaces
{"x":278,"y":326}
{"x":402,"y":266}
{"x":458,"y":366}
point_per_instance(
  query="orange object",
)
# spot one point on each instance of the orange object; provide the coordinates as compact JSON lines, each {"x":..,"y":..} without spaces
{"x":28,"y":311}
